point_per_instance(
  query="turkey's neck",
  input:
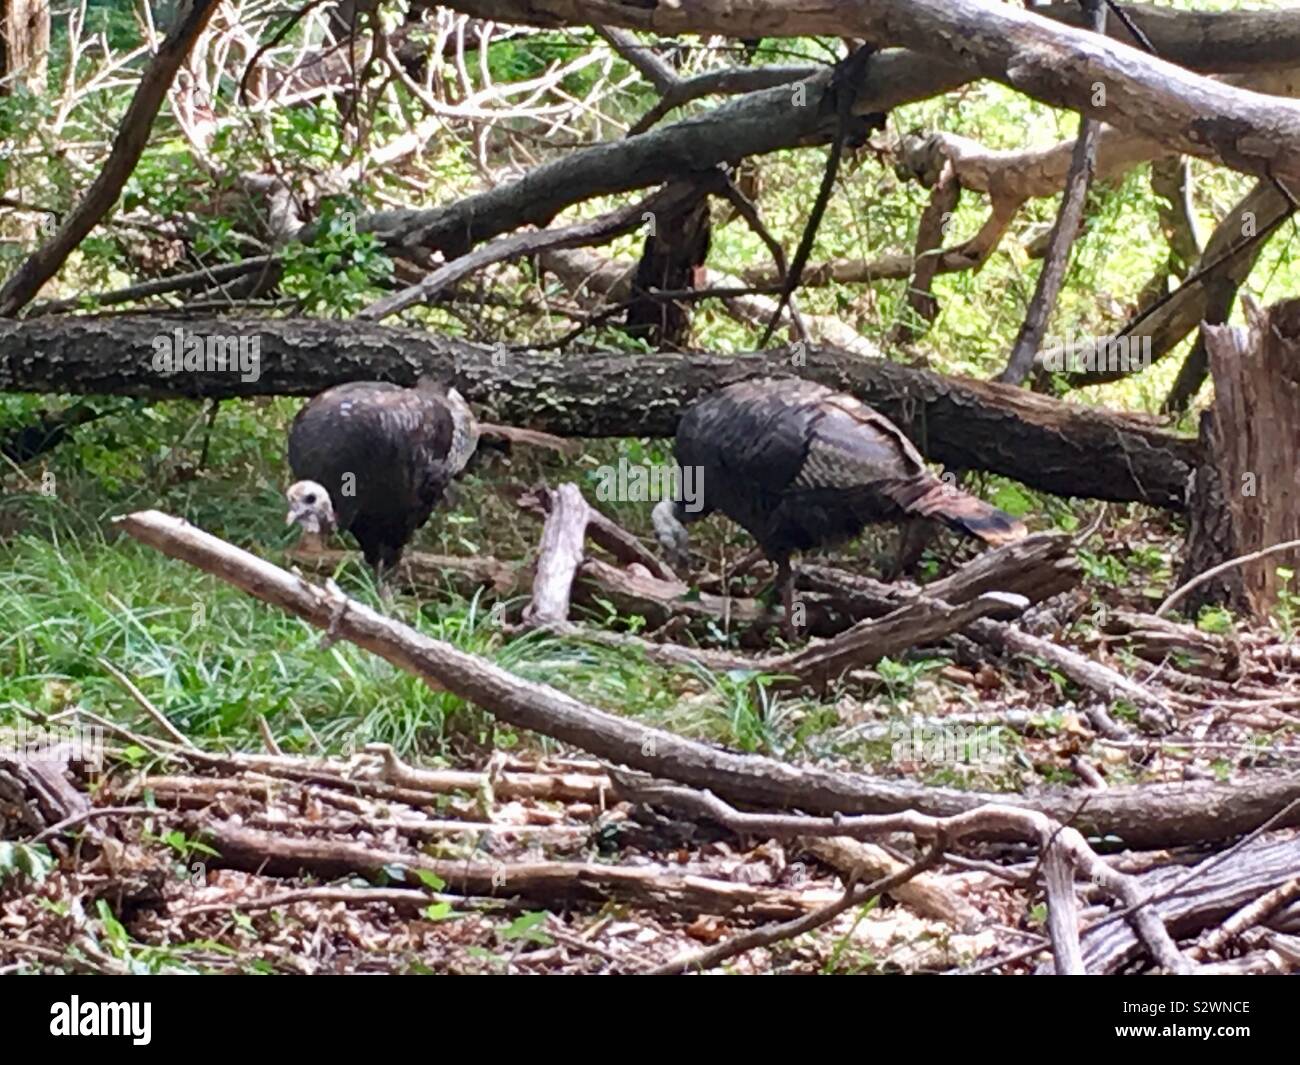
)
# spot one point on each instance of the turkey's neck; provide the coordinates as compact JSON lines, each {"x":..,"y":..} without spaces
{"x":311,"y":542}
{"x":464,"y":433}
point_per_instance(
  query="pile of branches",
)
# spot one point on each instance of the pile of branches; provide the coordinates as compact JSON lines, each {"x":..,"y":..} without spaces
{"x":363,"y":862}
{"x":312,"y":865}
{"x":1187,"y":875}
{"x":1213,"y":86}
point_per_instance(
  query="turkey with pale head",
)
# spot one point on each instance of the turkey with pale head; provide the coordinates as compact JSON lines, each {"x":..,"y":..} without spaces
{"x":374,"y":459}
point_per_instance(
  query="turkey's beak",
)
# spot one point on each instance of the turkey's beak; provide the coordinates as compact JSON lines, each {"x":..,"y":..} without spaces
{"x":295,"y":512}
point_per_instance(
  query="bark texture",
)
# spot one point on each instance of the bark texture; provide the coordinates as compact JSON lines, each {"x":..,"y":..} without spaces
{"x":1256,"y":373}
{"x":1054,"y":63}
{"x":1057,"y":447}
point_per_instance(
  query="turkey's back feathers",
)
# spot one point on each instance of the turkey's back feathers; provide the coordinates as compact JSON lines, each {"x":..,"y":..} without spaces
{"x":800,"y":466}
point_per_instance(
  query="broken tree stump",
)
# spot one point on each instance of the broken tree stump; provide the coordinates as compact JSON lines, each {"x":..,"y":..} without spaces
{"x":558,"y":557}
{"x":1254,"y":457}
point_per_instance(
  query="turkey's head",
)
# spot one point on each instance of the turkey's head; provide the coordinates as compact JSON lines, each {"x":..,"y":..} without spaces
{"x":310,"y":507}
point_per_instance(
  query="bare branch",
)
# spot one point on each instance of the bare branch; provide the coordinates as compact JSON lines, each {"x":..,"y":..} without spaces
{"x":132,"y":135}
{"x":1066,"y":228}
{"x":579,"y":234}
{"x":1054,"y":63}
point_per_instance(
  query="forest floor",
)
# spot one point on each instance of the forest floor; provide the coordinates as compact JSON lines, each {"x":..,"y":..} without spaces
{"x":292,"y":742}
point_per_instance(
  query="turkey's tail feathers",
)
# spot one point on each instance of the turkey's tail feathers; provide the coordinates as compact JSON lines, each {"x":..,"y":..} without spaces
{"x":968,"y":514}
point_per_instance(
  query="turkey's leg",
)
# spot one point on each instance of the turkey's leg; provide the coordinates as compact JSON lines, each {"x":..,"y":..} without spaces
{"x":383,"y":584}
{"x":785,"y":582}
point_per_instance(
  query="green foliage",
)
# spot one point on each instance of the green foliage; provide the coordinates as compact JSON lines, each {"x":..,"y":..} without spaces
{"x":30,"y":860}
{"x":900,"y":678}
{"x":1215,"y":620}
{"x":430,"y":879}
{"x":340,"y":270}
{"x":22,"y":113}
{"x":1014,"y":500}
{"x":310,"y":133}
{"x":1288,"y":603}
{"x":185,"y":847}
{"x":165,"y":181}
{"x":847,"y":958}
{"x":1105,"y":569}
{"x":114,"y":19}
{"x":528,"y":928}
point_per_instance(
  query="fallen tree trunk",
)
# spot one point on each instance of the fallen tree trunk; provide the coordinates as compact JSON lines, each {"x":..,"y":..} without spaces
{"x":1146,"y":816}
{"x":1056,"y":447}
{"x":545,"y":883}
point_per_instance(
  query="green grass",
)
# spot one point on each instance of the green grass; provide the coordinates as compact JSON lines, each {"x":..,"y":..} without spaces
{"x":74,"y":591}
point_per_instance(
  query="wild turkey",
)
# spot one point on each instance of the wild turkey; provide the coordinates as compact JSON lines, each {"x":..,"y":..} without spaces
{"x":374,"y":459}
{"x":801,"y":466}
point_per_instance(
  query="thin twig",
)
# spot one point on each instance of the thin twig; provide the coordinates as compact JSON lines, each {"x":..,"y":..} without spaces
{"x":268,"y":738}
{"x":93,"y":814}
{"x":848,"y":76}
{"x":1214,"y":571}
{"x":763,"y":937}
{"x":142,"y":701}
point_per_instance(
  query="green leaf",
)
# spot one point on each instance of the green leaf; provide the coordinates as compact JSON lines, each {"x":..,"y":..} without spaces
{"x":32,"y":860}
{"x":525,"y":927}
{"x":1009,"y":498}
{"x":430,"y":879}
{"x":113,"y":928}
